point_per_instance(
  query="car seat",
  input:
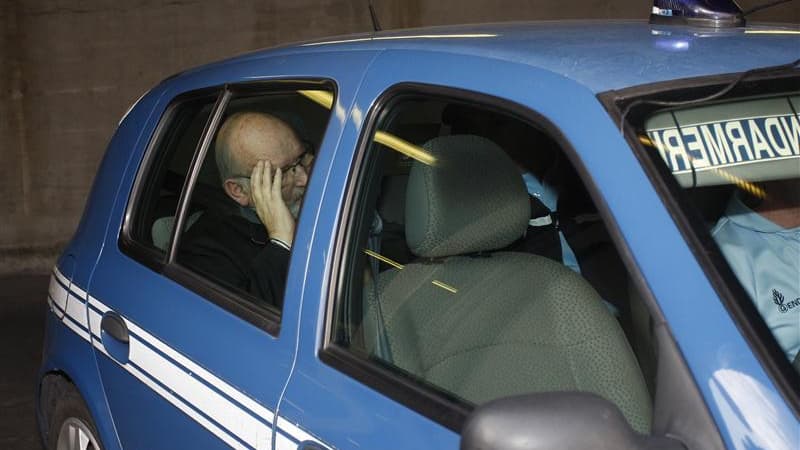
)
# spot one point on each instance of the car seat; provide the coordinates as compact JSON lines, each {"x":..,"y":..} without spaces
{"x":162,"y":229}
{"x":484,"y":324}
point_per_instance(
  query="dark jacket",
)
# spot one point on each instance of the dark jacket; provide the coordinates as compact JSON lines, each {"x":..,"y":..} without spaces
{"x":238,"y":254}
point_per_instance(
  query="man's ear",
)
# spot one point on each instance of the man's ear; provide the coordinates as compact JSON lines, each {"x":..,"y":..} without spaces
{"x":235,"y":191}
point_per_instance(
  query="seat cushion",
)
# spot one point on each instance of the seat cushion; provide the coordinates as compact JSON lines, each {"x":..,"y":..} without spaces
{"x":516,"y":323}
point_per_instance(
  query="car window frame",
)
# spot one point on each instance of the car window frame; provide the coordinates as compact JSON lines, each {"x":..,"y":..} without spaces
{"x":241,"y":304}
{"x":128,"y":244}
{"x":621,"y":106}
{"x":433,"y":403}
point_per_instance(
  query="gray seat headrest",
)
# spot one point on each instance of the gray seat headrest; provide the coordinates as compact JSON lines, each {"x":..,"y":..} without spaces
{"x":472,"y":199}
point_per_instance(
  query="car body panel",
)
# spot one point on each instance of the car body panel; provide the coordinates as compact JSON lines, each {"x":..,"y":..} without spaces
{"x":600,"y":55}
{"x":685,"y":296}
{"x":188,"y":381}
{"x":66,"y":353}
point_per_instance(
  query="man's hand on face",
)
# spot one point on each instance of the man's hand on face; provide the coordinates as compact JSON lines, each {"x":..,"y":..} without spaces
{"x":269,"y":203}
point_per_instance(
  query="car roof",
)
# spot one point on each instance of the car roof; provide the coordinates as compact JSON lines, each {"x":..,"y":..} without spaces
{"x":600,"y":55}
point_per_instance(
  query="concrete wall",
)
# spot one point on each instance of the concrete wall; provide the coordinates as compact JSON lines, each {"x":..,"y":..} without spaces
{"x":70,"y":68}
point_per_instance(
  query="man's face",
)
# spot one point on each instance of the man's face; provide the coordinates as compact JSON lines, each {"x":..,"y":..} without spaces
{"x":295,"y":178}
{"x":254,"y":137}
{"x":295,"y":167}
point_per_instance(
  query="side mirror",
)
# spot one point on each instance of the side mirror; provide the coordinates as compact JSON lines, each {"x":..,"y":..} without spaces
{"x":555,"y":420}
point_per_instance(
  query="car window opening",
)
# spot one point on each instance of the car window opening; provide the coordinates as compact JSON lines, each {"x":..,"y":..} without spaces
{"x":477,"y":264}
{"x":382,"y":137}
{"x":221,"y":205}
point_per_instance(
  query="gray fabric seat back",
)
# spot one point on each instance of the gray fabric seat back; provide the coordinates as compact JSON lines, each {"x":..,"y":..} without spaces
{"x":483,"y":326}
{"x":161,"y":230}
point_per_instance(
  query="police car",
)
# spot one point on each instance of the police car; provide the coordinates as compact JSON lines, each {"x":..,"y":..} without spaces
{"x":511,"y":237}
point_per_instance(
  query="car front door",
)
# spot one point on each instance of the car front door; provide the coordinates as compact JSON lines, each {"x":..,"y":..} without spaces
{"x":363,"y":377}
{"x":351,"y":387}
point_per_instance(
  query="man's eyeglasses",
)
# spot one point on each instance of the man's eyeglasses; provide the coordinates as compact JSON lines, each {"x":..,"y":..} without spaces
{"x":305,"y":160}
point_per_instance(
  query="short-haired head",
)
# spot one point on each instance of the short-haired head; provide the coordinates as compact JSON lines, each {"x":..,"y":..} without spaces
{"x":246,"y":138}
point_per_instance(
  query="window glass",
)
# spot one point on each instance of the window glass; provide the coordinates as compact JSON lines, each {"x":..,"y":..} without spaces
{"x":170,"y":163}
{"x":239,"y":225}
{"x":739,"y":162}
{"x":478,"y":266}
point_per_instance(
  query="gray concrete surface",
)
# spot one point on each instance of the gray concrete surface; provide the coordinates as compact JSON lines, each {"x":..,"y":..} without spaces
{"x":23,"y":300}
{"x":70,"y":68}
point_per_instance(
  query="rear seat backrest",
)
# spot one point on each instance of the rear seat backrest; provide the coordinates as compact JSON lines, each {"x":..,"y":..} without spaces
{"x":162,"y":229}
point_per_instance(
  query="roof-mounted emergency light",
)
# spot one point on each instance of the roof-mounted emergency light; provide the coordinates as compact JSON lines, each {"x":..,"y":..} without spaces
{"x":701,"y":13}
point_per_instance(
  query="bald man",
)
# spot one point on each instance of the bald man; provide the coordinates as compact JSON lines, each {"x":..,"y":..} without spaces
{"x":264,"y":169}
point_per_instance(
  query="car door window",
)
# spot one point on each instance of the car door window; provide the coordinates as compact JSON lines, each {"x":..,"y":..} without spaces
{"x":478,"y":267}
{"x":227,"y":236}
{"x":230,"y":248}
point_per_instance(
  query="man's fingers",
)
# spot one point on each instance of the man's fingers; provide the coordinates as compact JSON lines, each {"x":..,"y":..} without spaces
{"x":267,"y":179}
{"x":277,"y":183}
{"x":268,"y":201}
{"x":255,"y":181}
{"x":266,"y":187}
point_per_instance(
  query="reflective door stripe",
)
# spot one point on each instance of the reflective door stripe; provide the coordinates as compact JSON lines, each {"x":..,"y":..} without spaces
{"x":228,"y":413}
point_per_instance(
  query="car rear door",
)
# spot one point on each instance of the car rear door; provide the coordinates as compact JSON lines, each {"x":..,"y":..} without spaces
{"x":185,"y":361}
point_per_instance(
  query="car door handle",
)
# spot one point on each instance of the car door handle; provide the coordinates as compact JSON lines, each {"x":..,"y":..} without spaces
{"x":310,"y":445}
{"x":114,"y":325}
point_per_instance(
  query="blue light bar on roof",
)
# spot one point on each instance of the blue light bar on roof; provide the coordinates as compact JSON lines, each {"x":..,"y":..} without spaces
{"x":701,"y":13}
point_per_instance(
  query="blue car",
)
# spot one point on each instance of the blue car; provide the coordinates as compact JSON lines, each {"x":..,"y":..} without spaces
{"x":515,"y":236}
